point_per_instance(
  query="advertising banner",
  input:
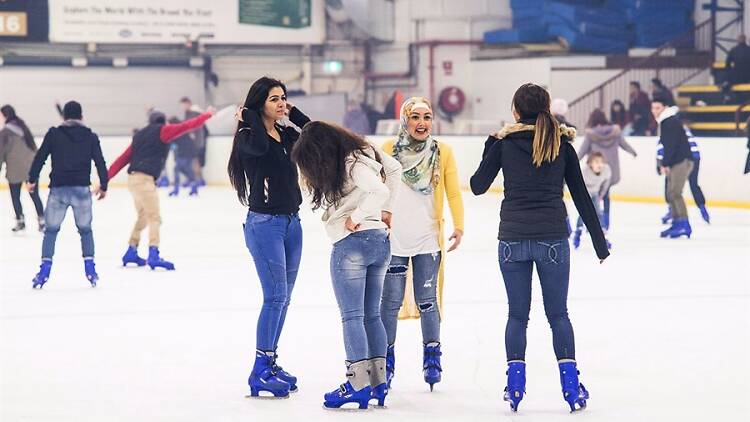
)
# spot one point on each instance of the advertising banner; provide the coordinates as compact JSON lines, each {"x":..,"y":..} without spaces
{"x":177,"y":21}
{"x":23,"y":20}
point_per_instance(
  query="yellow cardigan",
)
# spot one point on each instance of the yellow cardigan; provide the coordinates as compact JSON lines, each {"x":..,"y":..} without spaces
{"x":448,"y":188}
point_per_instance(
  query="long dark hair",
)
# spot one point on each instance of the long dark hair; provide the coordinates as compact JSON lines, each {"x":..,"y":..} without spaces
{"x":255,"y":100}
{"x":321,"y":153}
{"x":597,"y":118}
{"x":531,"y":101}
{"x":10,"y":117}
{"x":618,"y":117}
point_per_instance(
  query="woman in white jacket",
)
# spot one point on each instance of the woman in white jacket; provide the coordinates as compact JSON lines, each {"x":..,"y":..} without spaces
{"x":355,"y":185}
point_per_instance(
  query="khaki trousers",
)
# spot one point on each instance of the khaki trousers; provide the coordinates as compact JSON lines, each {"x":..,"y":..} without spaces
{"x":676,"y":179}
{"x":146,"y":201}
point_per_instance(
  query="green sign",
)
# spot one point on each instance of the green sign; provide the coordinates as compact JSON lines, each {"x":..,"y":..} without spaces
{"x":277,"y":13}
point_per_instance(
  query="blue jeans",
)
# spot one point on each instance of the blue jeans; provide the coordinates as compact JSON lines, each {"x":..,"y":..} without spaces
{"x":58,"y":201}
{"x":184,"y":166}
{"x":275,"y":242}
{"x":598,"y":207}
{"x":552,"y":259}
{"x":358,"y":266}
{"x":425,"y":270}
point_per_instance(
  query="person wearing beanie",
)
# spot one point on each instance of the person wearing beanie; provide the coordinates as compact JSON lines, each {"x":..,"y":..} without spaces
{"x":676,"y":163}
{"x":559,"y":108}
{"x":147,"y":155}
{"x":72,"y":146}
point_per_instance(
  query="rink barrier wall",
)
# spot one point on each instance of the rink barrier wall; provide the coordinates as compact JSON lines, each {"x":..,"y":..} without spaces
{"x":721,"y":177}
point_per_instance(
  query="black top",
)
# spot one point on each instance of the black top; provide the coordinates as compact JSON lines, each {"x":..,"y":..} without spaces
{"x":149,"y":151}
{"x":533,"y":207}
{"x":72,"y":147}
{"x":273,"y":180}
{"x":676,"y":145}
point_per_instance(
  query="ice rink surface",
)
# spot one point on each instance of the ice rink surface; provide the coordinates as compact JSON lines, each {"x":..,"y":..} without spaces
{"x":662,"y":327}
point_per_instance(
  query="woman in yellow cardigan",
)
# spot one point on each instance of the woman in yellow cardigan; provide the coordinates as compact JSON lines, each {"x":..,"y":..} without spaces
{"x":429,"y":177}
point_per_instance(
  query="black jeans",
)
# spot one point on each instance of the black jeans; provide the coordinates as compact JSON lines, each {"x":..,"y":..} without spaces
{"x":695,"y":188}
{"x":15,"y":197}
{"x":552,"y":259}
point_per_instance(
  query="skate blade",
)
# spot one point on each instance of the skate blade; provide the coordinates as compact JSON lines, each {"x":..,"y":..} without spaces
{"x":262,"y":397}
{"x":377,"y":406}
{"x":346,"y":409}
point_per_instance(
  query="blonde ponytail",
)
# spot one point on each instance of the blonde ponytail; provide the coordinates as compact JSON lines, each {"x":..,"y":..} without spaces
{"x":546,"y":145}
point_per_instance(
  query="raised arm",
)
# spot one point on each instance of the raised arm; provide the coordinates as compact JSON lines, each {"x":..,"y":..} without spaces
{"x":582,"y":200}
{"x":489,"y":167}
{"x":297,"y":117}
{"x":172,"y":131}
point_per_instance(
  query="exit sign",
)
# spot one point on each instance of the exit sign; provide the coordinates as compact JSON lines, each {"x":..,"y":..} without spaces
{"x":13,"y":24}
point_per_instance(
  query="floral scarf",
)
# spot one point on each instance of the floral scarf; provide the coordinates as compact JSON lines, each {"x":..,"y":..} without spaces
{"x":419,"y":159}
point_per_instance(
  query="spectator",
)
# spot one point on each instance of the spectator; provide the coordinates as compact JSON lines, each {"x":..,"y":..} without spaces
{"x":618,"y":115}
{"x":559,"y":108}
{"x":640,"y":110}
{"x":659,"y":90}
{"x":603,"y":137}
{"x":356,"y":119}
{"x":737,"y":67}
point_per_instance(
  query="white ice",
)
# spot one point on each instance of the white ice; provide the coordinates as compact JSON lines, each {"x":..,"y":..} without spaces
{"x":662,"y":327}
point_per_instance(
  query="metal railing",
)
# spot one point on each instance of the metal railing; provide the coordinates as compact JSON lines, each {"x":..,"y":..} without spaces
{"x":697,"y":39}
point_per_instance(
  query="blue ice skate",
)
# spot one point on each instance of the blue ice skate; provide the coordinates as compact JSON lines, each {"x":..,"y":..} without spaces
{"x":131,"y":257}
{"x":90,"y":269}
{"x":262,"y":378}
{"x":283,"y":375}
{"x":155,"y":261}
{"x":431,"y":364}
{"x":347,"y":394}
{"x":516,"y":387}
{"x":43,"y":275}
{"x":573,"y":391}
{"x":390,"y":364}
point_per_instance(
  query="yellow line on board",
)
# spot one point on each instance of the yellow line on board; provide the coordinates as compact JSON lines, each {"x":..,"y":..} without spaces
{"x":710,"y":88}
{"x":716,"y":125}
{"x":619,"y":198}
{"x":716,"y":109}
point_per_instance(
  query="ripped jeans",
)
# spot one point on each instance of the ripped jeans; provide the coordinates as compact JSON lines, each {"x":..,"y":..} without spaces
{"x":425,"y":274}
{"x":552,"y":259}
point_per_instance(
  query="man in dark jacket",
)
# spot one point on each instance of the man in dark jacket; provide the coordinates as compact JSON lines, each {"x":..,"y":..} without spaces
{"x":72,"y":146}
{"x":737,"y":66}
{"x":147,"y":155}
{"x":676,"y":163}
{"x":198,"y":136}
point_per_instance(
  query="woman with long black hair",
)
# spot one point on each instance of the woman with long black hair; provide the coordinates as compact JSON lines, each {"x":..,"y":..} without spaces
{"x":536,"y":157}
{"x":17,"y":150}
{"x":355,"y":185}
{"x":262,"y":173}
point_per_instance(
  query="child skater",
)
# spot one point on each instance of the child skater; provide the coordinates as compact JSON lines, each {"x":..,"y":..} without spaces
{"x":266,"y":181}
{"x":536,"y":157}
{"x":72,"y":146}
{"x":429,"y":178}
{"x":146,"y":156}
{"x":356,"y":186}
{"x":597,"y":175}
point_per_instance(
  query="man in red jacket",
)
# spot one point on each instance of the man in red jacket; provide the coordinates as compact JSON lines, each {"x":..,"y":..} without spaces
{"x":146,"y":156}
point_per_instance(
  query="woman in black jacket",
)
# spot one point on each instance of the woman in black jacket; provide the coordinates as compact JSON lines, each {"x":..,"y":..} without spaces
{"x":262,"y":173}
{"x":536,"y":158}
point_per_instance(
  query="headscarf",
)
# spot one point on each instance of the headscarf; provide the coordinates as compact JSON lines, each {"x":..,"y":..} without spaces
{"x":419,"y":159}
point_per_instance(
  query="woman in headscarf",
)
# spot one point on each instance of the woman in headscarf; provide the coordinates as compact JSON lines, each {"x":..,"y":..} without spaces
{"x":414,"y":282}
